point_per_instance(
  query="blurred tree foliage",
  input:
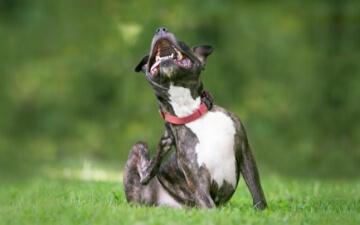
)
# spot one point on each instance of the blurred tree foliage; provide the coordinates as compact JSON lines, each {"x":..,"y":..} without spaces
{"x":290,"y":69}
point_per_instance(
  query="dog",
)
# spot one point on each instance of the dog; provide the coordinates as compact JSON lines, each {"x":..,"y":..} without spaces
{"x":210,"y":143}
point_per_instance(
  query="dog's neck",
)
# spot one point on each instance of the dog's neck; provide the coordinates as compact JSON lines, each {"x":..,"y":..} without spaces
{"x":181,"y":101}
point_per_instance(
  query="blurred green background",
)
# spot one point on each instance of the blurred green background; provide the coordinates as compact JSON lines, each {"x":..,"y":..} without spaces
{"x":289,"y":69}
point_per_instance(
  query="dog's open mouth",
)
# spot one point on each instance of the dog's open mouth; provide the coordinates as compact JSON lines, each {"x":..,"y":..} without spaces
{"x":165,"y":51}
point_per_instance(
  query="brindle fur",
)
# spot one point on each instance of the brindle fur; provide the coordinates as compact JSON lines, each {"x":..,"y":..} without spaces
{"x":180,"y":175}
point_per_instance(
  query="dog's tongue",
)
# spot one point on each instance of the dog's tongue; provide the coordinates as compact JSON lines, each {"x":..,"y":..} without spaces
{"x":155,"y":64}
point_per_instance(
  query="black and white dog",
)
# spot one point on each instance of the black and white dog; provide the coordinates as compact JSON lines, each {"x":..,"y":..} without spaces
{"x":211,"y":147}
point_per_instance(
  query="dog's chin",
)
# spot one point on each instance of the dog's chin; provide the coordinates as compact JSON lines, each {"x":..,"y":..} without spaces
{"x":168,"y":69}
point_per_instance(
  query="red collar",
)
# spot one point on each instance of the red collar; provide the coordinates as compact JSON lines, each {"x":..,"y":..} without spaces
{"x":205,"y":106}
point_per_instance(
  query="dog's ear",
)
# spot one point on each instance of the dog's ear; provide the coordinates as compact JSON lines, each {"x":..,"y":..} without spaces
{"x":202,"y":52}
{"x":142,"y":64}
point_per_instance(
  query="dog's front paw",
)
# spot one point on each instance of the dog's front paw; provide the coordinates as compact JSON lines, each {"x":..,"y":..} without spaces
{"x":260,"y":205}
{"x":145,"y":178}
{"x":166,"y":142}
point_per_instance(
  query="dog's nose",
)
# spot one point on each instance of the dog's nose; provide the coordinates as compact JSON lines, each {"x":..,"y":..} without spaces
{"x":161,"y":30}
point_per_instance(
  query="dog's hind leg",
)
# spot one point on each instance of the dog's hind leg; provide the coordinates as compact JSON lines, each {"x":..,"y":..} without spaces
{"x":151,"y":168}
{"x":136,"y":192}
{"x":152,"y":193}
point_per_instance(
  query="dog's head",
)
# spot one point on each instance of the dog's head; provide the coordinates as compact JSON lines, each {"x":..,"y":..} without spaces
{"x":172,"y":62}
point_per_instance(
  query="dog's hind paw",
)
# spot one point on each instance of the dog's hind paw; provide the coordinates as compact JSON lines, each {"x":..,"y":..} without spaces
{"x":145,"y":172}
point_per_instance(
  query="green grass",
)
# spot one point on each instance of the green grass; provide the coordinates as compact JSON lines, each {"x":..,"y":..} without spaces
{"x":59,"y":200}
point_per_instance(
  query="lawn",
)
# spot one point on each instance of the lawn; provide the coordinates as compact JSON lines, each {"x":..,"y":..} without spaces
{"x":85,"y":198}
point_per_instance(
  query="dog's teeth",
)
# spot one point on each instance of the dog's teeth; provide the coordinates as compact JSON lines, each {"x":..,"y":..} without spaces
{"x":166,"y":57}
{"x":180,"y":56}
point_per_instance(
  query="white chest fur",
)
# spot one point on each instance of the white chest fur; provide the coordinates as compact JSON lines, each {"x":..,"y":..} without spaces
{"x":215,"y":149}
{"x":215,"y":132}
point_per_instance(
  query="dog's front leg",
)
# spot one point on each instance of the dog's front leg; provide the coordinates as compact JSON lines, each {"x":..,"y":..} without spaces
{"x":198,"y":182}
{"x":150,"y":168}
{"x":251,"y":176}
